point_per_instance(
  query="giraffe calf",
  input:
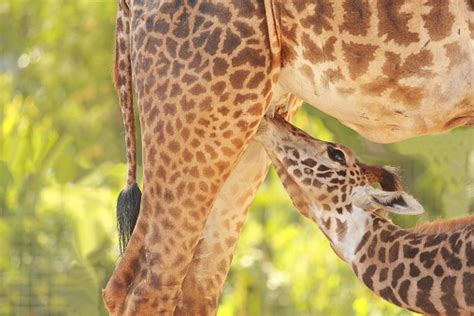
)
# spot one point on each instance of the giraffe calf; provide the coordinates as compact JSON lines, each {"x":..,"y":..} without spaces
{"x":429,"y":269}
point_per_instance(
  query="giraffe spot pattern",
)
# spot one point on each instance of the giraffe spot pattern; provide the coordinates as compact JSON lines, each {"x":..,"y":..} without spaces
{"x":180,"y":55}
{"x":394,"y":24}
{"x":367,"y":276}
{"x":356,"y":17}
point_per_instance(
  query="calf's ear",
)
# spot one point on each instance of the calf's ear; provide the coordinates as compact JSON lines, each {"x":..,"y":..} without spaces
{"x":398,"y":202}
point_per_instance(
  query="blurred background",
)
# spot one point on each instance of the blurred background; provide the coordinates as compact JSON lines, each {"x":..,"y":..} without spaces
{"x":62,"y":165}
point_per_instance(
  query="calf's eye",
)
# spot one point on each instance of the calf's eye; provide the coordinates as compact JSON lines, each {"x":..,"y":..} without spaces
{"x":336,"y":155}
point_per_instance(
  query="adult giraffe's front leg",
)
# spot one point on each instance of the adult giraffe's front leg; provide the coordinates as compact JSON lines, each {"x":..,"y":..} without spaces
{"x":203,"y":75}
{"x":207,"y":273}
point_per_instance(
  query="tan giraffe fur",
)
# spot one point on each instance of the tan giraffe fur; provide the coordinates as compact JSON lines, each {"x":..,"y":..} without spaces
{"x":429,"y":269}
{"x":196,"y":119}
{"x":382,"y":67}
{"x":205,"y":73}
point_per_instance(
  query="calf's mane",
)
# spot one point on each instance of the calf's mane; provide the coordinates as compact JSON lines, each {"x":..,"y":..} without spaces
{"x":444,"y":225}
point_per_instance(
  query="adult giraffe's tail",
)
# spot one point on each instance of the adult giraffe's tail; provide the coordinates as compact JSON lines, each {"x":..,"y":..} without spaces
{"x":128,"y":203}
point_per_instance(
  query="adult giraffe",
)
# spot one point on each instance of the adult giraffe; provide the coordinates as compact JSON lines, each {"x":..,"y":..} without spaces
{"x":206,"y":73}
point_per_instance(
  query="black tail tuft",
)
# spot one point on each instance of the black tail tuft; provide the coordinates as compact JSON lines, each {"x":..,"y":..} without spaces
{"x":128,"y":207}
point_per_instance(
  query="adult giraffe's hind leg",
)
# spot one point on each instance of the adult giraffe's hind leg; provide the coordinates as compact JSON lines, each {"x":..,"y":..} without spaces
{"x":203,"y":74}
{"x":207,"y":273}
{"x":208,"y":270}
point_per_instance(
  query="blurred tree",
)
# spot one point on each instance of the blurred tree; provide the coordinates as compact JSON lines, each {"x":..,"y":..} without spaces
{"x":60,"y":144}
{"x":61,"y":166}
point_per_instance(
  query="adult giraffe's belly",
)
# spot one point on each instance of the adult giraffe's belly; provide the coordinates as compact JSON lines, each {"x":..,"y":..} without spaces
{"x":384,"y":109}
{"x":388,"y":70}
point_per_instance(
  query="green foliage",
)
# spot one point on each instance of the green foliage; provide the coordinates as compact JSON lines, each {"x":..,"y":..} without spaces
{"x":61,"y":167}
{"x":60,"y":154}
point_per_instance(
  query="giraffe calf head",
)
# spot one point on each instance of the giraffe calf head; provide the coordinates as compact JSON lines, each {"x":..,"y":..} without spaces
{"x":327,"y":176}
